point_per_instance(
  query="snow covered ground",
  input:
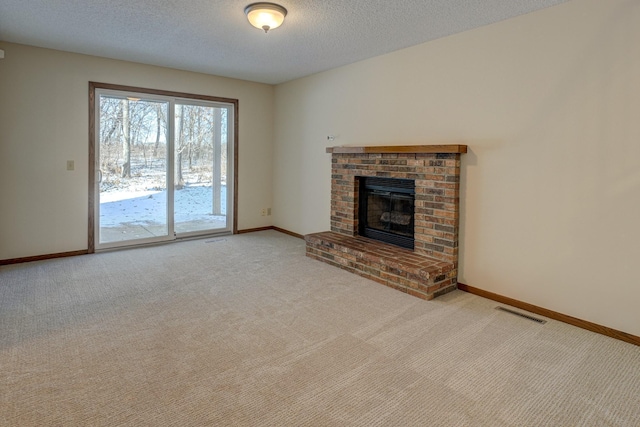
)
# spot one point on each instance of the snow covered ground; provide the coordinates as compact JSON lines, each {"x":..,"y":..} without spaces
{"x":149,"y":207}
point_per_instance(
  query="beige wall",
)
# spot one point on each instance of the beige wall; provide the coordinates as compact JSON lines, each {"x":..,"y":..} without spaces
{"x":44,"y":123}
{"x":549,"y":104}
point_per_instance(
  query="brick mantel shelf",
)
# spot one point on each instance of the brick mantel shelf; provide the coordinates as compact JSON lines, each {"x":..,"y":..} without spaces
{"x":431,"y":268}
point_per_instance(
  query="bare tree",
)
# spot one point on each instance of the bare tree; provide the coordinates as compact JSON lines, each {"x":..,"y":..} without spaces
{"x":126,"y":143}
{"x":160,"y":118}
{"x":180,"y":147}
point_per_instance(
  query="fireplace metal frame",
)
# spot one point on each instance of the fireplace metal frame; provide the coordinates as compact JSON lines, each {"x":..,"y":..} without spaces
{"x":395,"y":189}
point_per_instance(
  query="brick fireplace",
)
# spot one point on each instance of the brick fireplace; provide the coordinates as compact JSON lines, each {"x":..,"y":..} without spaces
{"x":430,"y":269}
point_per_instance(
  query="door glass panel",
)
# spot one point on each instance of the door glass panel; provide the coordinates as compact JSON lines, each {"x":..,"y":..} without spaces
{"x":164,"y":167}
{"x":200,"y":170}
{"x":132,"y":170}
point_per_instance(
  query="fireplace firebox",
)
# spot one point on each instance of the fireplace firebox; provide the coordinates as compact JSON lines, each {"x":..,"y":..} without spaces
{"x":386,"y":210}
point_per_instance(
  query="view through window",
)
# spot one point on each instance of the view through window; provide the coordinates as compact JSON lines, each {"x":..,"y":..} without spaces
{"x":163,"y":167}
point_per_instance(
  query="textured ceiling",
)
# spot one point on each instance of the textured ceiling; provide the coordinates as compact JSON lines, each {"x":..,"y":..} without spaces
{"x":214,"y":37}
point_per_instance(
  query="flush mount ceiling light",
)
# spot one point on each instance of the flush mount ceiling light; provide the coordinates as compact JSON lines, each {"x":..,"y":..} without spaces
{"x":265,"y":16}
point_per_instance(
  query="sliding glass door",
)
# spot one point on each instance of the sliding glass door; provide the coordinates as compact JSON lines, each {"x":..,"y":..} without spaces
{"x":162,"y":165}
{"x":132,"y":169}
{"x":200,"y":158}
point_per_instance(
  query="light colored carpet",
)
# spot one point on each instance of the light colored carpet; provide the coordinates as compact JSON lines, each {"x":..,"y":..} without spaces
{"x":247,"y":331}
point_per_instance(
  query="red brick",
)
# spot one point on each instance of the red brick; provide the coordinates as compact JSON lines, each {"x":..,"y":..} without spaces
{"x":436,"y":218}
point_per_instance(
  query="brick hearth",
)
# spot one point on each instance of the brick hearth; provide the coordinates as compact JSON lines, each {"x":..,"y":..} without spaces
{"x":431,"y":268}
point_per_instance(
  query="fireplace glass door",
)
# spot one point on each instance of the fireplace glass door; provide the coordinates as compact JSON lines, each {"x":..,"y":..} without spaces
{"x":387,"y":209}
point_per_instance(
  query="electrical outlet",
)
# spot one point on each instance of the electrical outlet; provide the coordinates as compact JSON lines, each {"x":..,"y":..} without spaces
{"x":70,"y":165}
{"x":268,"y":211}
{"x":263,"y":212}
